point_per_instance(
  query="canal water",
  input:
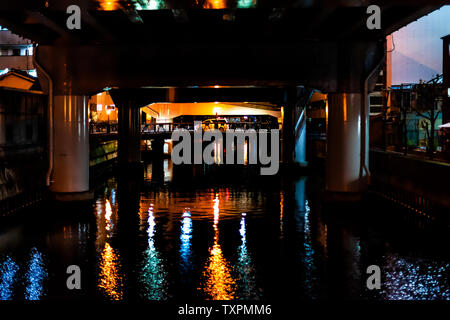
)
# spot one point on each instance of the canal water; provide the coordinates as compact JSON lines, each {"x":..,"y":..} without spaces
{"x":153,"y":239}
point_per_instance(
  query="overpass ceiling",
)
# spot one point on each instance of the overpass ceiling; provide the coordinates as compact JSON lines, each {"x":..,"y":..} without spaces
{"x":207,"y":21}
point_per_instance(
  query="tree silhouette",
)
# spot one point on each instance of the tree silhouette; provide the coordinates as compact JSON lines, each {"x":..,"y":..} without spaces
{"x":428,"y":102}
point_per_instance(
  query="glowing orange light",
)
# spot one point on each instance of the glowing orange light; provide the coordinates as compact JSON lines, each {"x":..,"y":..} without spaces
{"x":245,"y":152}
{"x":109,"y":5}
{"x":108,"y":214}
{"x":219,"y":284}
{"x":215,"y":4}
{"x":110,"y":278}
{"x":345,"y":106}
{"x":216,"y":211}
{"x":281,"y":211}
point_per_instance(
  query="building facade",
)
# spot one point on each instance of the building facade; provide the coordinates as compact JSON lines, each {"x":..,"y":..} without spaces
{"x":15,"y":53}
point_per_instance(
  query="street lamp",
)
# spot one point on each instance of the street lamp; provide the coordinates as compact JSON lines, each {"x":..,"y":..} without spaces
{"x":108,"y":111}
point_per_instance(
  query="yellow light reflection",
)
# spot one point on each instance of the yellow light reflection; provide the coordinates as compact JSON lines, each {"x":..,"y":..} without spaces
{"x":110,"y":277}
{"x":219,"y":284}
{"x":281,"y":213}
{"x":110,"y":280}
{"x":245,"y":152}
{"x":109,"y":5}
{"x":345,"y":106}
{"x":216,"y":211}
{"x":218,"y":150}
{"x":215,"y":4}
{"x":108,"y":214}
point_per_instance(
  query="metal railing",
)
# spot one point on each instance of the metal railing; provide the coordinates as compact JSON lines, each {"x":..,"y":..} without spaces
{"x":103,"y":127}
{"x":168,"y":127}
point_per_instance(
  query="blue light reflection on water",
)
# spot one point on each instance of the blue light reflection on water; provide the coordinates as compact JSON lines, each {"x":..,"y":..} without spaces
{"x":303,"y":218}
{"x":170,"y":249}
{"x":35,"y":276}
{"x":248,"y":289}
{"x":185,"y":247}
{"x":8,"y":271}
{"x":153,"y":274}
{"x":408,"y":279}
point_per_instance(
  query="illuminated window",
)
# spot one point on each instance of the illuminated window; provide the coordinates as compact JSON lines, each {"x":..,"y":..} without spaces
{"x":32,"y":73}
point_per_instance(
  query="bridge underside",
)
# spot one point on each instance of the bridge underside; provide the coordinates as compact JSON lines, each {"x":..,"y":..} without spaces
{"x":180,"y":54}
{"x":302,"y":43}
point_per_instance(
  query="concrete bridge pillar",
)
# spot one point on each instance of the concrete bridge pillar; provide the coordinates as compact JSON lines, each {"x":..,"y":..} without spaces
{"x":158,"y":148}
{"x":347,"y":169}
{"x":293,"y":146}
{"x":70,"y":177}
{"x":346,"y":172}
{"x":129,"y":133}
{"x":287,"y":131}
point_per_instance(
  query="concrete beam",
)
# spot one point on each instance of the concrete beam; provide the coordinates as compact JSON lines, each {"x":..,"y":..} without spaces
{"x":308,"y":63}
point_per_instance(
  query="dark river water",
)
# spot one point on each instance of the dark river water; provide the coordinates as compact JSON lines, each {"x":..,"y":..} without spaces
{"x":158,"y":240}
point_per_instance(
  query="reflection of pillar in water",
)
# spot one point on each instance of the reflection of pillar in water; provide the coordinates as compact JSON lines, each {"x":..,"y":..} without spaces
{"x":157,"y":168}
{"x":128,"y":199}
{"x":343,"y":261}
{"x":303,"y":218}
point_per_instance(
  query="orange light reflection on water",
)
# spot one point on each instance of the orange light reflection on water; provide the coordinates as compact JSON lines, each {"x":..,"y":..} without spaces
{"x":215,"y":4}
{"x":109,"y":5}
{"x":110,"y":277}
{"x":219,"y":283}
{"x":281,"y":213}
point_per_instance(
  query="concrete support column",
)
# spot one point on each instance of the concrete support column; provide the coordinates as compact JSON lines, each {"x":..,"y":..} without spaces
{"x":158,"y":148}
{"x":287,"y":131}
{"x":300,"y":139}
{"x":71,"y":146}
{"x":346,"y":172}
{"x":129,"y":133}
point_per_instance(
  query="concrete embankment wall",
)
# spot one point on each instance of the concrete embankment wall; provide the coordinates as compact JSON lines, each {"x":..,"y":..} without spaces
{"x":22,"y":180}
{"x":22,"y":184}
{"x":429,"y":179}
